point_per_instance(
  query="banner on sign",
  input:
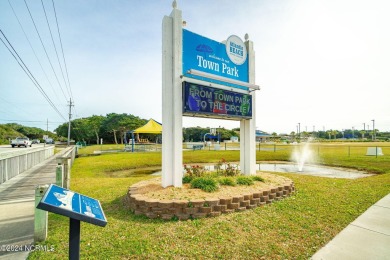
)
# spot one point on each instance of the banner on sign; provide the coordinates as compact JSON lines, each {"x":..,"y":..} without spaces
{"x":199,"y":100}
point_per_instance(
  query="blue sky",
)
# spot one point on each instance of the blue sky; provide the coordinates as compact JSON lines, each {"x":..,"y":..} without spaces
{"x":323,"y":64}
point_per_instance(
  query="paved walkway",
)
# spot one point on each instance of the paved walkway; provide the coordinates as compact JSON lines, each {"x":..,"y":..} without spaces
{"x":17,"y":204}
{"x":368,"y":237}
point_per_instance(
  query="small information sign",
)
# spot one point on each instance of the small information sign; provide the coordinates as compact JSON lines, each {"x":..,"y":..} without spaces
{"x":73,"y":205}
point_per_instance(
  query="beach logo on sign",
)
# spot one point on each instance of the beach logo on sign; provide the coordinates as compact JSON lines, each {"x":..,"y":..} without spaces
{"x":204,"y":48}
{"x":236,"y":50}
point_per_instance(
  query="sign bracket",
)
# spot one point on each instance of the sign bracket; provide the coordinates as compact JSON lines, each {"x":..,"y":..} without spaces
{"x":223,"y":79}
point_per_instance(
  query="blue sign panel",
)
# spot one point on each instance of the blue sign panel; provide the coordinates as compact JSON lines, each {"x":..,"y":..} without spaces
{"x":74,"y":205}
{"x":206,"y":55}
{"x":216,"y":103}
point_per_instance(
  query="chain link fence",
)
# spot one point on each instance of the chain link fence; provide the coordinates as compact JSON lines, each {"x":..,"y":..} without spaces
{"x":347,"y":149}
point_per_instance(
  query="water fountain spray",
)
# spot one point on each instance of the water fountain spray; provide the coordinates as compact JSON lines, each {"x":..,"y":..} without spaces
{"x":302,"y":155}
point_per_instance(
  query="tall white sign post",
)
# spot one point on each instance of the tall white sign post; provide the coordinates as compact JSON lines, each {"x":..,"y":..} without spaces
{"x":248,"y":126}
{"x":172,"y":105}
{"x":212,"y":82}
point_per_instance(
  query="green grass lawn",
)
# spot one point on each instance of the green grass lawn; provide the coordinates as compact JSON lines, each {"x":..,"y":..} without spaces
{"x":294,"y":228}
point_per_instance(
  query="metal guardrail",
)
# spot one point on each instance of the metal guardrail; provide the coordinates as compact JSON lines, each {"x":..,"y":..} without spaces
{"x":14,"y":164}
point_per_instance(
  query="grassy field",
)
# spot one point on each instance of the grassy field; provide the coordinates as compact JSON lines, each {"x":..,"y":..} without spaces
{"x":294,"y":228}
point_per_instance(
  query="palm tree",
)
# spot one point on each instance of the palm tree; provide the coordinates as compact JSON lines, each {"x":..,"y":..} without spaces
{"x":334,"y":133}
{"x":329,"y":132}
{"x":362,"y":132}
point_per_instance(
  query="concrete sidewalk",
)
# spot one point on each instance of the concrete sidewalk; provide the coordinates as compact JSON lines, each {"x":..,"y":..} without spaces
{"x":17,"y":205}
{"x":368,"y":237}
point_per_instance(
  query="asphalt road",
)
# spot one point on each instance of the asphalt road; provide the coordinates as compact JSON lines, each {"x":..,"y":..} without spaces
{"x":6,"y":150}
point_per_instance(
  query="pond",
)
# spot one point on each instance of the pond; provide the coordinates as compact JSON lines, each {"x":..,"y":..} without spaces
{"x":314,"y":170}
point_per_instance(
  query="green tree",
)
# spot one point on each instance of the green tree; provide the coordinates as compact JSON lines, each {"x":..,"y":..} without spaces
{"x":114,"y":124}
{"x":334,"y":133}
{"x":196,"y":134}
{"x":110,"y":124}
{"x":95,"y":123}
{"x":329,"y":132}
{"x":30,"y":132}
{"x":91,"y":129}
{"x":81,"y":130}
{"x":62,"y":130}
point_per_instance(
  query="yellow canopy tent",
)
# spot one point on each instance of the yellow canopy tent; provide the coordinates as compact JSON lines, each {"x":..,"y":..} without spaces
{"x":151,"y":127}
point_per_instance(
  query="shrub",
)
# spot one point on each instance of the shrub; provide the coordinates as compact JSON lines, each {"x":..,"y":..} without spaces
{"x":205,"y":184}
{"x":218,"y":167}
{"x":195,"y":171}
{"x":209,"y":174}
{"x":257,"y":178}
{"x":187,"y":179}
{"x":226,"y":169}
{"x":227,"y":181}
{"x":244,"y":180}
{"x":231,"y":170}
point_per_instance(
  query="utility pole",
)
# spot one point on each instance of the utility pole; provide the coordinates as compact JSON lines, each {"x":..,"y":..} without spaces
{"x":70,"y":116}
{"x":47,"y":125}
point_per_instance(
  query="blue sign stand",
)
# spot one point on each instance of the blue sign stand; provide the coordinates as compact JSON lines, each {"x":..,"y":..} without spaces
{"x":75,"y":206}
{"x":74,"y":238}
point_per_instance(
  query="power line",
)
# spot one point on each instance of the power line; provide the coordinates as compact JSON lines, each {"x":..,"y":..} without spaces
{"x":29,"y":74}
{"x":14,"y":106}
{"x":55,"y":48}
{"x":62,"y":49}
{"x":44,"y":48}
{"x":28,"y":40}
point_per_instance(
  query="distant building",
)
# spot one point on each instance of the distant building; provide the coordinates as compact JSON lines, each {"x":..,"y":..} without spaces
{"x":234,"y":139}
{"x":262,"y":136}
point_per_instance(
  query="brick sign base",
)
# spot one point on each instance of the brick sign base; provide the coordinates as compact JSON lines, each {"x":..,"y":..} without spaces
{"x":201,"y":208}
